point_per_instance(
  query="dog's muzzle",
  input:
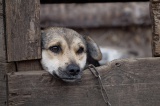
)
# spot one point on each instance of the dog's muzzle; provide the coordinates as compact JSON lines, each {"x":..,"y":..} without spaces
{"x":71,"y":73}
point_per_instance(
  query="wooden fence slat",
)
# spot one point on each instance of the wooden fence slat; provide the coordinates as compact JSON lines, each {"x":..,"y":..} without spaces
{"x":128,"y":83}
{"x":3,"y":94}
{"x":88,"y":1}
{"x":22,"y":30}
{"x":32,"y":65}
{"x":95,"y":15}
{"x":3,"y":88}
{"x":4,"y":68}
{"x":3,"y":99}
{"x":2,"y":40}
{"x":155,"y":16}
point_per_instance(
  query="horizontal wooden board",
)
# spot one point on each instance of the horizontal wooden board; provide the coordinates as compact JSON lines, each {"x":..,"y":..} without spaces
{"x":22,"y":30}
{"x":88,"y":1}
{"x":155,"y":1}
{"x":30,"y":65}
{"x":95,"y":15}
{"x":128,"y":83}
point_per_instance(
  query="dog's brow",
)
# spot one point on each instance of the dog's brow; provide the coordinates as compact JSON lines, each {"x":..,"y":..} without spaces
{"x":81,"y":44}
{"x":54,"y":43}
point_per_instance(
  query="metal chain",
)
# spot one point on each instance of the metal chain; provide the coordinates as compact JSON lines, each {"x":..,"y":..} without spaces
{"x":103,"y":91}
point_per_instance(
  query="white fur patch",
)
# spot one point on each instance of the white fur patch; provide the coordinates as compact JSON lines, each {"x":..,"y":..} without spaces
{"x":48,"y":64}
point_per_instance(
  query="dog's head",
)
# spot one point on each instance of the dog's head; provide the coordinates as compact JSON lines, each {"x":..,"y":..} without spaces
{"x":65,"y":52}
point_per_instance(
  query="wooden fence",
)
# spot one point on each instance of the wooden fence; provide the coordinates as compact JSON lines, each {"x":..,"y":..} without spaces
{"x":132,"y":82}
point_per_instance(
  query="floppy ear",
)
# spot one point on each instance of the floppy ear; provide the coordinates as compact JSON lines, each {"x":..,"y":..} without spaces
{"x":93,"y":49}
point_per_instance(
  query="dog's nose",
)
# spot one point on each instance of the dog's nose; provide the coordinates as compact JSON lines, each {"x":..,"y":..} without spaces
{"x":73,"y":69}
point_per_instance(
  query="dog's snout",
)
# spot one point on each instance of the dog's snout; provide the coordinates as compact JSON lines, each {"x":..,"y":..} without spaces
{"x":73,"y":69}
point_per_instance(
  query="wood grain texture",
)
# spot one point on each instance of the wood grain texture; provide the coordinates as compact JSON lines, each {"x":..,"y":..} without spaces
{"x":87,"y":1}
{"x":128,"y":83}
{"x":30,"y":65}
{"x":4,"y":68}
{"x":3,"y":94}
{"x":22,"y":29}
{"x":155,"y":1}
{"x":2,"y":40}
{"x":155,"y":16}
{"x":95,"y":15}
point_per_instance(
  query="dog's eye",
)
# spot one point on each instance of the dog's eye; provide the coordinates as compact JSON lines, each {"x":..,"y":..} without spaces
{"x":80,"y":50}
{"x":55,"y":49}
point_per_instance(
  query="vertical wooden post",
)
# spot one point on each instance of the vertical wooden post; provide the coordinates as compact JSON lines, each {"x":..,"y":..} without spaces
{"x":2,"y":40}
{"x":3,"y":94}
{"x":23,"y":30}
{"x":155,"y":16}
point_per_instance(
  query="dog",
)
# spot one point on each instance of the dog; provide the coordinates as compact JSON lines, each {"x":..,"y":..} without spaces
{"x":66,"y":53}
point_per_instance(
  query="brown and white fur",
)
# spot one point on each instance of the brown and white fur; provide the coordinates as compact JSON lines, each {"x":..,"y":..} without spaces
{"x":65,"y":53}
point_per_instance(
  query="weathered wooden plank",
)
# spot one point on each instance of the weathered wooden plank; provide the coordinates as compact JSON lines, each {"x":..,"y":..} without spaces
{"x":3,"y":95}
{"x":155,"y":1}
{"x":155,"y":16}
{"x":4,"y":68}
{"x":2,"y":40}
{"x":31,"y":65}
{"x":95,"y":15}
{"x":22,"y":30}
{"x":128,"y":83}
{"x":3,"y":88}
{"x":88,"y":1}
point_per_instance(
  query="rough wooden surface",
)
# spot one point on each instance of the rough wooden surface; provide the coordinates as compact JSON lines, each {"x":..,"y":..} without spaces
{"x":31,"y":65}
{"x":3,"y":94}
{"x":128,"y":83}
{"x":3,"y":99}
{"x":2,"y":40}
{"x":4,"y":68}
{"x":3,"y":88}
{"x":155,"y":16}
{"x":88,"y":1}
{"x":95,"y":15}
{"x":22,"y":29}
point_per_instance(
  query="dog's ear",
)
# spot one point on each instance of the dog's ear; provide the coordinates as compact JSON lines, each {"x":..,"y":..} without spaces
{"x":93,"y":49}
